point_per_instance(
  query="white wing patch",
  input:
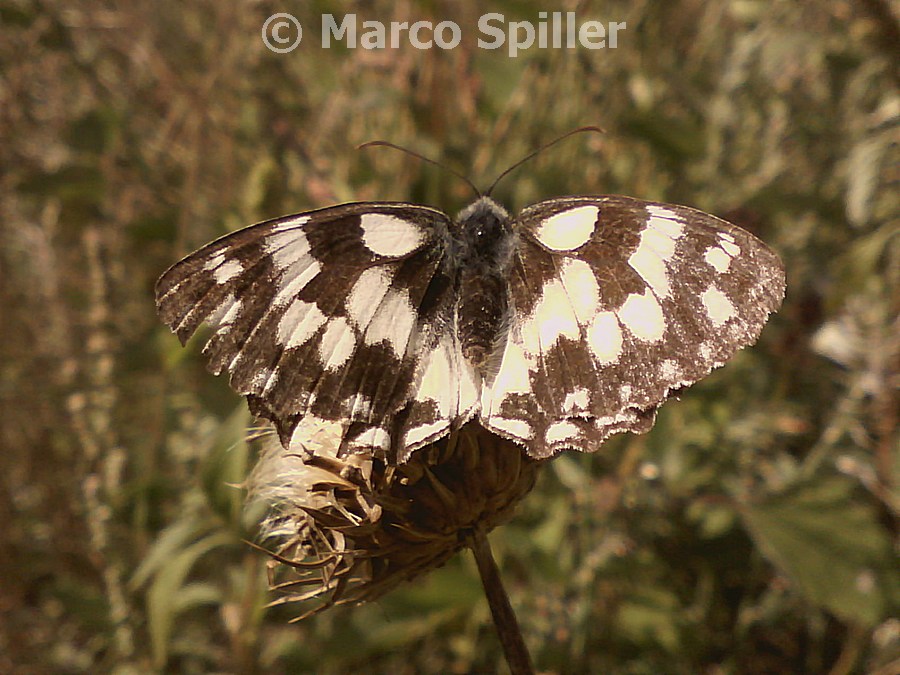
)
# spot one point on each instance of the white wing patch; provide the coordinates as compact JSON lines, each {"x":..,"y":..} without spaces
{"x":230,"y":315}
{"x":642,"y":315}
{"x":227,"y":271}
{"x":562,"y":430}
{"x":438,"y":379}
{"x":338,"y":344}
{"x":512,"y":427}
{"x":290,"y":255}
{"x":650,"y":265}
{"x":512,"y":378}
{"x":299,"y":323}
{"x":569,"y":229}
{"x":292,"y":223}
{"x":718,"y":306}
{"x":218,"y":316}
{"x":446,"y":395}
{"x":223,"y":270}
{"x":576,"y":401}
{"x":665,"y":220}
{"x":425,"y":432}
{"x":661,"y":235}
{"x":393,"y":321}
{"x":294,"y":279}
{"x":655,"y":251}
{"x":582,"y":289}
{"x":390,"y":236}
{"x":605,"y":338}
{"x":729,"y":244}
{"x":287,"y":248}
{"x":552,"y":319}
{"x":718,"y":259}
{"x":367,"y":294}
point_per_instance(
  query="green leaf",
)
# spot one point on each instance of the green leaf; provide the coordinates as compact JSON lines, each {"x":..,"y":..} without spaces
{"x":167,"y":545}
{"x":164,"y":599}
{"x":650,"y":617}
{"x":196,"y":594}
{"x":225,"y":468}
{"x":829,"y":544}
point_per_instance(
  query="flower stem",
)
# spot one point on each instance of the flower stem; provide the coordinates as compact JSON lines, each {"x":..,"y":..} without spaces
{"x":508,"y":631}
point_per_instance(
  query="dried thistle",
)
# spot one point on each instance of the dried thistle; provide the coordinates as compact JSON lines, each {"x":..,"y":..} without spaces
{"x":348,"y":529}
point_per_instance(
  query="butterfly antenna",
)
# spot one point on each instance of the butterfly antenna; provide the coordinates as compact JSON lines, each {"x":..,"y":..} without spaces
{"x":535,"y":153}
{"x":412,"y":153}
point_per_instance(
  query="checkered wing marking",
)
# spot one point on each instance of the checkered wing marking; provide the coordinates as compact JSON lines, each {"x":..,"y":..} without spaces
{"x":616,"y":302}
{"x":445,"y":394}
{"x":322,"y":317}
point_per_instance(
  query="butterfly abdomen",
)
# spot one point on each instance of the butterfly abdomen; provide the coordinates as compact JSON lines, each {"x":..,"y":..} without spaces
{"x":484,"y":250}
{"x":482,"y":306}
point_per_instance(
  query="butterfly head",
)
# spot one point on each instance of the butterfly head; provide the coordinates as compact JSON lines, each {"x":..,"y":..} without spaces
{"x":483,"y":226}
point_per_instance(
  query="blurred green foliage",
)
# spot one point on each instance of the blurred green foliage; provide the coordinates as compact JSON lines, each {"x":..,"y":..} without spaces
{"x":753,"y":531}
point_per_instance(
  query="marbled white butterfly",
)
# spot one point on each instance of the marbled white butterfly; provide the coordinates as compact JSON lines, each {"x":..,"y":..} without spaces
{"x":555,"y":328}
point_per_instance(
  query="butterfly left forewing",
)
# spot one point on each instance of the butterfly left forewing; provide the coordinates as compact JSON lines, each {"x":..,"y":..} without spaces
{"x":615,"y":302}
{"x":322,"y":316}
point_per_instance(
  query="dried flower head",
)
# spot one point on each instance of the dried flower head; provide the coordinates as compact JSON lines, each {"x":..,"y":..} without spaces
{"x":346,"y":529}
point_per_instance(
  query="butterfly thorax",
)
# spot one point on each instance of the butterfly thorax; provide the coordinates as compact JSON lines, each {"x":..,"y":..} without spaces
{"x":484,"y":245}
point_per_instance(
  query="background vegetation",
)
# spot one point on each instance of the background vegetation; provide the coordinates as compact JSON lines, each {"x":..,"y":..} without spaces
{"x":753,"y":531}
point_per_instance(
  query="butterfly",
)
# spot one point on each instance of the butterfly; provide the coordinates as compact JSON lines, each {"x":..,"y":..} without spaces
{"x":396,"y":324}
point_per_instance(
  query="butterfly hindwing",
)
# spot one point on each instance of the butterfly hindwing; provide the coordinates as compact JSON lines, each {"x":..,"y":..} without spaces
{"x":324,"y":315}
{"x":615,"y":302}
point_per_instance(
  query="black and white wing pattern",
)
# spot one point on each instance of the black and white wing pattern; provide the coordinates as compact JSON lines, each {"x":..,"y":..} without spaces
{"x":614,"y":303}
{"x":328,"y":317}
{"x":393,"y":324}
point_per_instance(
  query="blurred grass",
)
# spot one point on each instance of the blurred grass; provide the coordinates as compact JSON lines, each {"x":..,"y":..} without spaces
{"x":753,"y":531}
